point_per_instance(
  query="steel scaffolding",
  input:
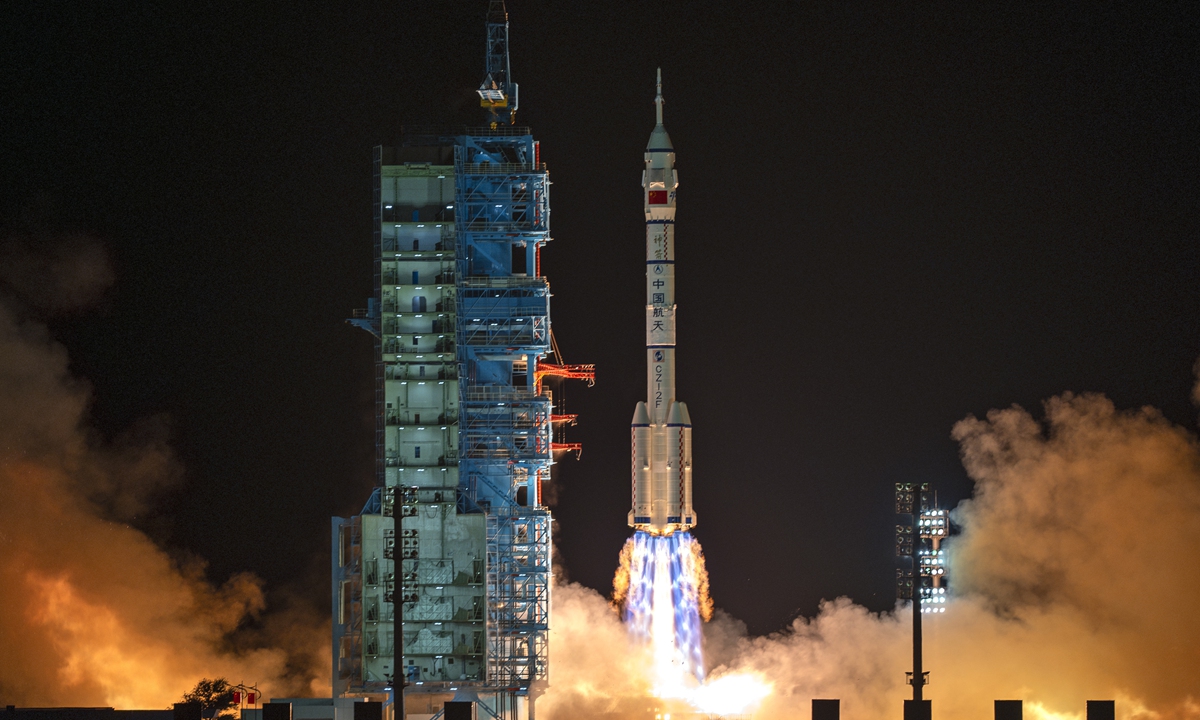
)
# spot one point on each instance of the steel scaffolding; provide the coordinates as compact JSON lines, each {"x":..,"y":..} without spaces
{"x":505,"y":435}
{"x":518,"y":588}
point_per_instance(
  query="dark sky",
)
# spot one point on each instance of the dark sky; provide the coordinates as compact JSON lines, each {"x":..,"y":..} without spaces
{"x":891,"y":215}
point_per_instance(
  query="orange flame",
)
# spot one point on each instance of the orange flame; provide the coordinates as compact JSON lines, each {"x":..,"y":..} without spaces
{"x":698,"y":570}
{"x":700,"y":580}
{"x":621,"y":578}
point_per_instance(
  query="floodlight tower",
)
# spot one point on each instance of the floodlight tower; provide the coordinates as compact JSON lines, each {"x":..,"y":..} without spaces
{"x":923,"y":582}
{"x":933,"y":525}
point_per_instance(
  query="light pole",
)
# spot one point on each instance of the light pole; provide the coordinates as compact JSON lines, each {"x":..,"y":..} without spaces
{"x":923,"y":579}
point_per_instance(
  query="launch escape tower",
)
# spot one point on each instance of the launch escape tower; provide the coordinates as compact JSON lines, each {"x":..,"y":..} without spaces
{"x":454,"y":543}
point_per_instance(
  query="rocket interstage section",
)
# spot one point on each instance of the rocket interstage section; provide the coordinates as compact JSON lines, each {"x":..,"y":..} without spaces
{"x":661,"y":432}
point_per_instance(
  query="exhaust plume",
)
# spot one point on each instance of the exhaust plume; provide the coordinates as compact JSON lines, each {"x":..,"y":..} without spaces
{"x":1075,"y":577}
{"x":92,"y":612}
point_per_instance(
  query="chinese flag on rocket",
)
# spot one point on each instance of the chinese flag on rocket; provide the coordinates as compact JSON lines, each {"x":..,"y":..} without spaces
{"x":658,"y":197}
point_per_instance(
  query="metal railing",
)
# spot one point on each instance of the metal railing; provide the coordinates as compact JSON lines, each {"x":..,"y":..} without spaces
{"x":505,"y":393}
{"x":487,"y":281}
{"x":502,"y":168}
{"x":520,"y":332}
{"x":537,"y":226}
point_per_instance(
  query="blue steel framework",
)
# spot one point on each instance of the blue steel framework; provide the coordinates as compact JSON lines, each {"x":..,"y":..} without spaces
{"x":503,"y":212}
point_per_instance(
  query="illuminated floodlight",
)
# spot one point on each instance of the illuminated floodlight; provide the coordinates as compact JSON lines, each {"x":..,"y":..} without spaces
{"x":932,"y":524}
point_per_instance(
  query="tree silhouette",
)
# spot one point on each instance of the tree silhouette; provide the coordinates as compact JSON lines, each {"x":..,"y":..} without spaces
{"x":215,"y":697}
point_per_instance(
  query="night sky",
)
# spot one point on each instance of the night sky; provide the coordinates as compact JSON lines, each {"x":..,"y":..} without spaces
{"x":891,"y":216}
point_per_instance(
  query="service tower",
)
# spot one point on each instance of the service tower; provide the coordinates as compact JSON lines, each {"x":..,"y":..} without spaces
{"x":662,"y":430}
{"x":441,"y":585}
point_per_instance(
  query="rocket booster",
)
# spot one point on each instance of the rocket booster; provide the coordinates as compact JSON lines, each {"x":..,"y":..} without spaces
{"x":662,"y":430}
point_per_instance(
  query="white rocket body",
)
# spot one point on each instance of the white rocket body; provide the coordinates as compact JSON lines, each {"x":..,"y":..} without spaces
{"x":662,"y":429}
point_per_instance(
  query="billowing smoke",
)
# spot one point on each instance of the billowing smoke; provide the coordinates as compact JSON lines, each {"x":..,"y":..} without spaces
{"x":1084,"y":533}
{"x":595,"y":666}
{"x":92,"y":612}
{"x":1076,"y":577}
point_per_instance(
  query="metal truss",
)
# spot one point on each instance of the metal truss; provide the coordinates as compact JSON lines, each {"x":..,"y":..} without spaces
{"x":506,"y":436}
{"x":499,"y":188}
{"x":518,"y":591}
{"x":518,"y":431}
{"x":348,"y":581}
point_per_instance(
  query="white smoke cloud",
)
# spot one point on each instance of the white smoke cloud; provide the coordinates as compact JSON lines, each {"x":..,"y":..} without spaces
{"x":595,"y":669}
{"x":1085,"y":531}
{"x":1076,"y":577}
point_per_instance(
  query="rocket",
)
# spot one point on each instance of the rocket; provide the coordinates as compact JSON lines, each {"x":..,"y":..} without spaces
{"x":661,"y":431}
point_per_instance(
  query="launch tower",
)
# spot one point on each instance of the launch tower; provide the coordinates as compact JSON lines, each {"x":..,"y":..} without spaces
{"x":453,"y":547}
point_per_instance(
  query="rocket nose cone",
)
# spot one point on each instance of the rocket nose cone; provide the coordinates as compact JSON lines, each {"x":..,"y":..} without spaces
{"x":641,"y":416}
